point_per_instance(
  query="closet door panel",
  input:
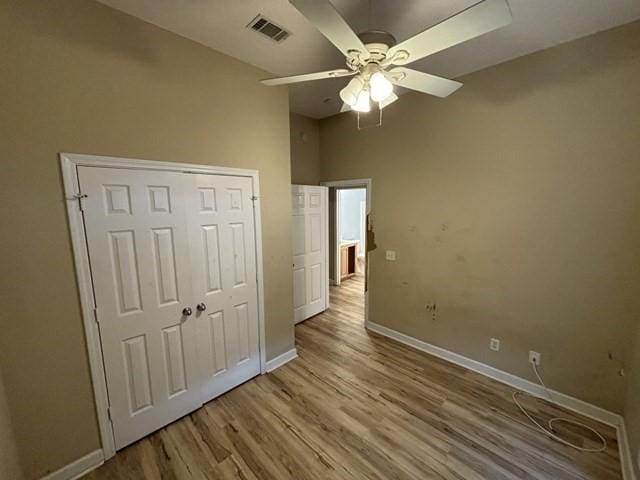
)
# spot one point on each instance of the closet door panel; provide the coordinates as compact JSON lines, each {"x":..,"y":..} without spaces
{"x":137,"y":237}
{"x":223,"y":254}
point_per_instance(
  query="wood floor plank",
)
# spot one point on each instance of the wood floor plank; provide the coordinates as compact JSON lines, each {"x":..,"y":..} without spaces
{"x":356,"y":405}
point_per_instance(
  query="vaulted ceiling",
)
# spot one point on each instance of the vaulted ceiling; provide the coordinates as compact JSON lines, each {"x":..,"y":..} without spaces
{"x":221,"y":25}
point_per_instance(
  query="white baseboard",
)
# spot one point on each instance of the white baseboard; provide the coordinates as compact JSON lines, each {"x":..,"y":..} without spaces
{"x":566,"y":401}
{"x":626,"y":457}
{"x":281,"y":359}
{"x":78,"y":468}
{"x":94,"y":459}
{"x":534,"y":389}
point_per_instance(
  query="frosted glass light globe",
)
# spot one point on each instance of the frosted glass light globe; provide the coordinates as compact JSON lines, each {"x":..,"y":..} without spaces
{"x":349,"y":94}
{"x":380,"y":87}
{"x":362,"y":105}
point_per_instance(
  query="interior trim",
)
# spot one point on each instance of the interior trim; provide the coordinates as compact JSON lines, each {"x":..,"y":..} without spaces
{"x":281,"y":359}
{"x":352,"y":183}
{"x":626,"y":457}
{"x":77,"y":469}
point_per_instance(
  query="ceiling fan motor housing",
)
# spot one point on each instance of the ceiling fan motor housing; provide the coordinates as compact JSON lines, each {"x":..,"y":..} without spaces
{"x":378,"y":43}
{"x":377,"y":37}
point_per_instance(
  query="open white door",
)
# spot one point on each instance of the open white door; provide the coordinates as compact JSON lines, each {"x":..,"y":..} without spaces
{"x":310,"y":253}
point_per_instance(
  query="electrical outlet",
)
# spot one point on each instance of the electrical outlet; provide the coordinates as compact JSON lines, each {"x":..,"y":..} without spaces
{"x":534,"y":357}
{"x":390,"y":255}
{"x":494,"y":344}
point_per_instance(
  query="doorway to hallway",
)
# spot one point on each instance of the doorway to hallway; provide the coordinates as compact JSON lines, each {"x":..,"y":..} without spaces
{"x":349,"y":228}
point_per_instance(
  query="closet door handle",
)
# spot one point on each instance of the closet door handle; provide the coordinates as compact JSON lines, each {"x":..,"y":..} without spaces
{"x":186,"y":311}
{"x":201,"y":307}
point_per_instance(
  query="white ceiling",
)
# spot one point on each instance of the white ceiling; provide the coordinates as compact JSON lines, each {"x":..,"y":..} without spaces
{"x":220,"y":24}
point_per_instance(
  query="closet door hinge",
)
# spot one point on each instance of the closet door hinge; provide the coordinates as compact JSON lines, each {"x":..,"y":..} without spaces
{"x":109,"y":414}
{"x":95,"y":314}
{"x":80,"y":197}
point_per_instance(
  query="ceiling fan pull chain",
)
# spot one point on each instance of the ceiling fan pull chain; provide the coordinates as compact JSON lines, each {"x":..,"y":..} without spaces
{"x":375,"y":125}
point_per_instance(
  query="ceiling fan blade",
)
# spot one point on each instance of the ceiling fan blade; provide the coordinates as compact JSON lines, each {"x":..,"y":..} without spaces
{"x":342,"y":72}
{"x":476,"y":20}
{"x":326,"y":18}
{"x":423,"y":82}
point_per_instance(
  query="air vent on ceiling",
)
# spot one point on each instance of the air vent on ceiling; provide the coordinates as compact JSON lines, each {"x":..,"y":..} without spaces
{"x":268,"y":28}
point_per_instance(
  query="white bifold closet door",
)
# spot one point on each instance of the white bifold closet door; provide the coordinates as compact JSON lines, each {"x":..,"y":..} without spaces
{"x":160,"y":243}
{"x":310,"y":254}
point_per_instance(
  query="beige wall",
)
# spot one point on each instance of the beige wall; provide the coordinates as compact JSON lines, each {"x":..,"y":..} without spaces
{"x":9,"y":462}
{"x":80,"y":77}
{"x":632,"y":404}
{"x":514,"y":205}
{"x":305,"y":150}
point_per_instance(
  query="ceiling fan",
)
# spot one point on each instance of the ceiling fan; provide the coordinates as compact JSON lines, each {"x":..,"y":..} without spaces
{"x":375,"y":60}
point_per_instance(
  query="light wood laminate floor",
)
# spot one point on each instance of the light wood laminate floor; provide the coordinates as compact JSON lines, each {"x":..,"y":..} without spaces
{"x":356,"y":405}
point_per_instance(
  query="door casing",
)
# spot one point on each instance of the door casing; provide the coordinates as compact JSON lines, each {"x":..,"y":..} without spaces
{"x":353,"y":183}
{"x":73,"y":196}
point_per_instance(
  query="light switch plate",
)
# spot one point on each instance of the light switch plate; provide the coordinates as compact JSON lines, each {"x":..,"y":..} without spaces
{"x":390,"y":255}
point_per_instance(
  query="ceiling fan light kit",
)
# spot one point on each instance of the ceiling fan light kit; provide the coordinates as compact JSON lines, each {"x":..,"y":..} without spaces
{"x":369,"y":85}
{"x":374,"y":58}
{"x":380,"y":87}
{"x":363,"y":104}
{"x":349,"y":94}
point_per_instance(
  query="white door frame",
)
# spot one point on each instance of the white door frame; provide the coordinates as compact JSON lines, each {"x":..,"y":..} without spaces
{"x":69,"y":164}
{"x":355,"y":183}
